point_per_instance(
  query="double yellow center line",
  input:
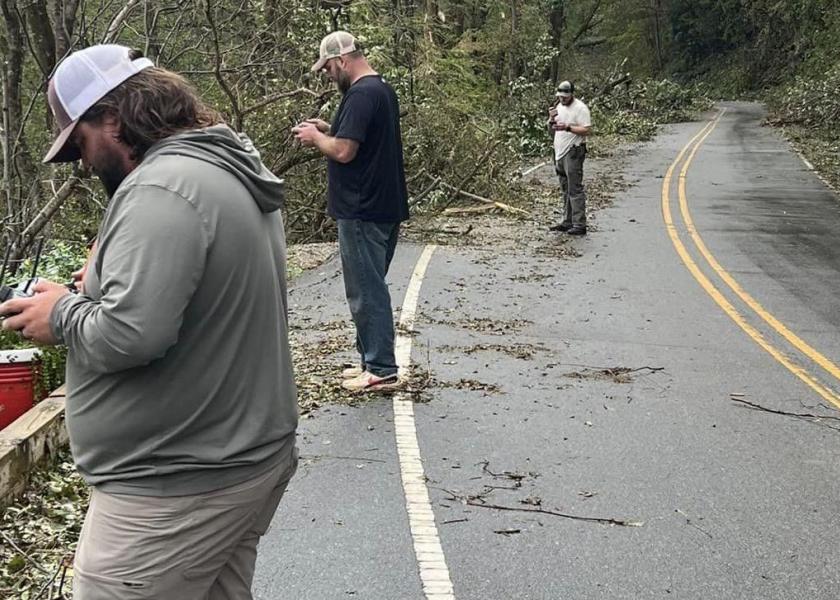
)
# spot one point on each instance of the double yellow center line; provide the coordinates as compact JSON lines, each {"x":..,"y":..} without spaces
{"x":685,"y":156}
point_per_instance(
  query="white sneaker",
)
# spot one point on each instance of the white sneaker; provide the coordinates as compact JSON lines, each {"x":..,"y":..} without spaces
{"x":351,"y":372}
{"x":368,"y":382}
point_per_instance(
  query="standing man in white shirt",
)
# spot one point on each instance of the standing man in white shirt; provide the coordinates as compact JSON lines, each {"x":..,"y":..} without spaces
{"x":570,"y":123}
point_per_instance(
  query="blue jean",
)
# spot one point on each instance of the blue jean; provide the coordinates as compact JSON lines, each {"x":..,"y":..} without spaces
{"x":366,"y":250}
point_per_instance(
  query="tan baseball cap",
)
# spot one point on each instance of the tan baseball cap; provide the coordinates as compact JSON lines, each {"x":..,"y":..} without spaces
{"x":338,"y":43}
{"x":79,"y":82}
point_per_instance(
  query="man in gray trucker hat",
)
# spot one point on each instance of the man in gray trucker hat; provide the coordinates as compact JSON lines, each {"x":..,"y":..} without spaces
{"x":367,"y":197}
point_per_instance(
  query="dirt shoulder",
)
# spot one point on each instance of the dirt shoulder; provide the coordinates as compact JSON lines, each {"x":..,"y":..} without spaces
{"x":480,"y":225}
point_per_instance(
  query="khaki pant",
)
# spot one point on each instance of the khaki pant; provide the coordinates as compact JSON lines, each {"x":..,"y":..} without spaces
{"x":201,"y":547}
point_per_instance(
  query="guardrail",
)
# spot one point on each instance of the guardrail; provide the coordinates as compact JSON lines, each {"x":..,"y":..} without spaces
{"x":36,"y":435}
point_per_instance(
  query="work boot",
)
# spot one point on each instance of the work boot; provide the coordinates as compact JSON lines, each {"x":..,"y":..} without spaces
{"x":560,"y":227}
{"x":577,"y":230}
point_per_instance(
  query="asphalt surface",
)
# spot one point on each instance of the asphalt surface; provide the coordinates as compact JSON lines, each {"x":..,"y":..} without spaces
{"x":601,"y":386}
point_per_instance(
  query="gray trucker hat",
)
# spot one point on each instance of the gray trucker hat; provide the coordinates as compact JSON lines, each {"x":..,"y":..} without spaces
{"x":338,"y":43}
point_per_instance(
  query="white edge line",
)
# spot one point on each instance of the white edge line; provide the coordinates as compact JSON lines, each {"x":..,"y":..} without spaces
{"x":813,"y":169}
{"x":434,"y":574}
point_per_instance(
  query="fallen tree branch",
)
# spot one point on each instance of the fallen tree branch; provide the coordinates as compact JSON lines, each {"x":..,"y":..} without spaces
{"x":755,"y":406}
{"x":468,"y":210}
{"x":449,"y":231}
{"x":554,"y":513}
{"x":500,"y":205}
{"x":472,"y":173}
{"x":419,"y":197}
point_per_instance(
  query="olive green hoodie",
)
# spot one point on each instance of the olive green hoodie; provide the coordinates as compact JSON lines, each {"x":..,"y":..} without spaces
{"x":179,"y":375}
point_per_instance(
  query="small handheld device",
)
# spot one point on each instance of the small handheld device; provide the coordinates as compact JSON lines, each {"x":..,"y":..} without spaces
{"x":24,"y":289}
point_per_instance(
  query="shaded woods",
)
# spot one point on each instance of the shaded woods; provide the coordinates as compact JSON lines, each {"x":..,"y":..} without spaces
{"x":473,"y":77}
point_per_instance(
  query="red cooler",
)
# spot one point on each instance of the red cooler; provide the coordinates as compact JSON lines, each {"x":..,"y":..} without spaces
{"x":17,"y":383}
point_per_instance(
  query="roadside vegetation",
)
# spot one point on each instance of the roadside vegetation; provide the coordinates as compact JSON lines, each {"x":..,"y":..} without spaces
{"x":809,"y":111}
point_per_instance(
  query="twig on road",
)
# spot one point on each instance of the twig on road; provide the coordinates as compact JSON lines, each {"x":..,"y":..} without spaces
{"x":554,"y":513}
{"x":320,"y":456}
{"x":515,"y":477}
{"x":477,"y":501}
{"x":813,"y":418}
{"x":691,"y":523}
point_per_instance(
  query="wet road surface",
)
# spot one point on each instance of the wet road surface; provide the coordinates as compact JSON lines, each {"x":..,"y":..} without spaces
{"x":605,"y":386}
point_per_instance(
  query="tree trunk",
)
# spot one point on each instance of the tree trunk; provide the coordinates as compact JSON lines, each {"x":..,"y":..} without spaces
{"x":62,"y":15}
{"x":41,"y":36}
{"x":657,"y":34}
{"x":513,"y":54}
{"x":557,"y":26}
{"x":11,"y":45}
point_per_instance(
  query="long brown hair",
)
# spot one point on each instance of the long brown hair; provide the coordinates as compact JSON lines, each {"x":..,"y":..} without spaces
{"x":152,"y":105}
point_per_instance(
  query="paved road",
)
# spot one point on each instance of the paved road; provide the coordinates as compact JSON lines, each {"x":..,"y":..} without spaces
{"x":602,"y":387}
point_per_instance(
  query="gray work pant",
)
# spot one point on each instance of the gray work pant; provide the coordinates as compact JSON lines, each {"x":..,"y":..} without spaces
{"x":200,"y":547}
{"x":366,"y":250}
{"x":569,"y":170}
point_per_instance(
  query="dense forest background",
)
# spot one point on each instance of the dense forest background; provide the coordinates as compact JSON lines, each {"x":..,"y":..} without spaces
{"x":474,"y":79}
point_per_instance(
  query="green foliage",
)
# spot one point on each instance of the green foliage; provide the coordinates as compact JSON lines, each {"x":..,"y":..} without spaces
{"x":666,"y":101}
{"x":51,"y":370}
{"x":529,"y":103}
{"x":809,"y":110}
{"x":809,"y":101}
{"x":623,"y":123}
{"x":45,"y":525}
{"x":58,"y":261}
{"x":635,"y":110}
{"x":11,"y":340}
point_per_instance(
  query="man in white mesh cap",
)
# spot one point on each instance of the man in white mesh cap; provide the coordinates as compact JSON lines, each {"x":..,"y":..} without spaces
{"x":180,"y":396}
{"x":367,"y":197}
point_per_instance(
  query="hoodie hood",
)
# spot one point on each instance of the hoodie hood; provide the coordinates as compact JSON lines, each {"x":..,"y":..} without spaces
{"x":234,"y":152}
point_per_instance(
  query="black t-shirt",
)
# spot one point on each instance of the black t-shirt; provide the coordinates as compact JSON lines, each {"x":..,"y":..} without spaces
{"x":371,"y":187}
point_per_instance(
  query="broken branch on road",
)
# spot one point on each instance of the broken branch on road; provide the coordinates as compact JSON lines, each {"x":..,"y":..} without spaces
{"x":603,"y":520}
{"x":811,"y":417}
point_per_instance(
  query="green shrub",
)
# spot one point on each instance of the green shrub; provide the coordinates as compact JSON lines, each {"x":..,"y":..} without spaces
{"x":633,"y":111}
{"x":809,"y":101}
{"x":623,"y":123}
{"x":58,"y":260}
